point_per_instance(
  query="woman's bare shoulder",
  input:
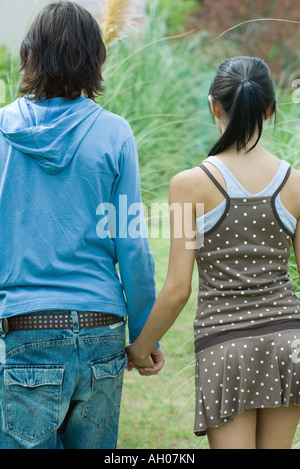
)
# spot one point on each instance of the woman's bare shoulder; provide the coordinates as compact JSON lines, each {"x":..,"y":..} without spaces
{"x":188,"y":177}
{"x":293,"y":183}
{"x":290,"y":194}
{"x":295,"y":173}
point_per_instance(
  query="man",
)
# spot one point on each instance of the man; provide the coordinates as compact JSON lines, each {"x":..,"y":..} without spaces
{"x":68,"y":174}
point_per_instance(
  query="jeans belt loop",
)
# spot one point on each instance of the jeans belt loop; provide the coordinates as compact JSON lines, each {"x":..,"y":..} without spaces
{"x":4,"y":328}
{"x":75,"y":321}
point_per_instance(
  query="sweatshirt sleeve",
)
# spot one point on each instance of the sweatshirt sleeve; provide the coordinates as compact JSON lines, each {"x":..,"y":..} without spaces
{"x":136,"y":263}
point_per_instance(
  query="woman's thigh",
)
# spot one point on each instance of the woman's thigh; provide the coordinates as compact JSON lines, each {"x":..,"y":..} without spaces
{"x":276,"y":427}
{"x":240,"y":433}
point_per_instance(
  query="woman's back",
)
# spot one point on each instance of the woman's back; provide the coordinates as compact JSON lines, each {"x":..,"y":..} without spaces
{"x":243,"y":261}
{"x":254,"y":171}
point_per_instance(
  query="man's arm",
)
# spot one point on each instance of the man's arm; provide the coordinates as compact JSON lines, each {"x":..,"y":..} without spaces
{"x":136,"y":262}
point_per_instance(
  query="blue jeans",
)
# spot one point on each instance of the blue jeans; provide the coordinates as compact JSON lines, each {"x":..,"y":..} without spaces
{"x":61,"y":389}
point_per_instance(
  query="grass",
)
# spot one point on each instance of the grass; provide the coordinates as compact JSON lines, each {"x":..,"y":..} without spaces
{"x":158,"y":86}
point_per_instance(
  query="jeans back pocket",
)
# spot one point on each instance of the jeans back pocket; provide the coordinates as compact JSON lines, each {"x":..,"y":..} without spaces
{"x":107,"y":377}
{"x":33,"y":398}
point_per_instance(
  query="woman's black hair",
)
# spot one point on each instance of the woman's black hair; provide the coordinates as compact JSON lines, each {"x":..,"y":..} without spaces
{"x":62,"y":54}
{"x":244,"y":88}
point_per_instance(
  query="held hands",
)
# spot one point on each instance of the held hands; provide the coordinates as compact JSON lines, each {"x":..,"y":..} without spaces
{"x":146,"y":366}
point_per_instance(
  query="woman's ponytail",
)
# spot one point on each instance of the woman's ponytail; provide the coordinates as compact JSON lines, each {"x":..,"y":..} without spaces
{"x":245,"y":91}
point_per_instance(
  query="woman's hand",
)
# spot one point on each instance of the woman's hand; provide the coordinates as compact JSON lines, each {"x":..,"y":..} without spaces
{"x":146,"y":366}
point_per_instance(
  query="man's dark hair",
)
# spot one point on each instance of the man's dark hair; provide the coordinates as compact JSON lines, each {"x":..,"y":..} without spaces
{"x":62,"y":54}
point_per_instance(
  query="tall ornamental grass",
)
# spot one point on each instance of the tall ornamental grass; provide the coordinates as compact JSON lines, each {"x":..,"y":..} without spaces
{"x":159,"y":84}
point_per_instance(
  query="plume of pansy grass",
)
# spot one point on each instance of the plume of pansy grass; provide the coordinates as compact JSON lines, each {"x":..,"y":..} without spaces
{"x":117,"y":18}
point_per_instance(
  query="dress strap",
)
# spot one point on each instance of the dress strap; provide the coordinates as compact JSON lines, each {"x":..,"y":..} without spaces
{"x":214,"y":180}
{"x":235,"y":189}
{"x":274,"y":207}
{"x":287,"y":175}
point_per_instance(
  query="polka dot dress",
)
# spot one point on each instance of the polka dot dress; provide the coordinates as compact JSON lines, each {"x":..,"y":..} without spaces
{"x":248,"y":317}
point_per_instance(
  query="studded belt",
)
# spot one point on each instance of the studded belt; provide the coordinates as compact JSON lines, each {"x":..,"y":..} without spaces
{"x":58,"y":320}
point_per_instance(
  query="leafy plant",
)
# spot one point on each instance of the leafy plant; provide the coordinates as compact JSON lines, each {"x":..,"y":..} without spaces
{"x":8,"y":68}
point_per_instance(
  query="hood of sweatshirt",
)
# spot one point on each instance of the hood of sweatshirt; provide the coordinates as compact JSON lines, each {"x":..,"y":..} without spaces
{"x":49,"y":131}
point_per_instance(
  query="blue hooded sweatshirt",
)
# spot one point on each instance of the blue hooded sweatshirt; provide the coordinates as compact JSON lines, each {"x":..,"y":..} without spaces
{"x":69,"y":175}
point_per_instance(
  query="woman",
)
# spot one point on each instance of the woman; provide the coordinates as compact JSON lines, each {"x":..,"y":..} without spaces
{"x":68,"y":174}
{"x":248,"y":318}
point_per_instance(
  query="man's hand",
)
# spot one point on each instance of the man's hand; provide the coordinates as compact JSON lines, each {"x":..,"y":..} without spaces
{"x":149,"y":366}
